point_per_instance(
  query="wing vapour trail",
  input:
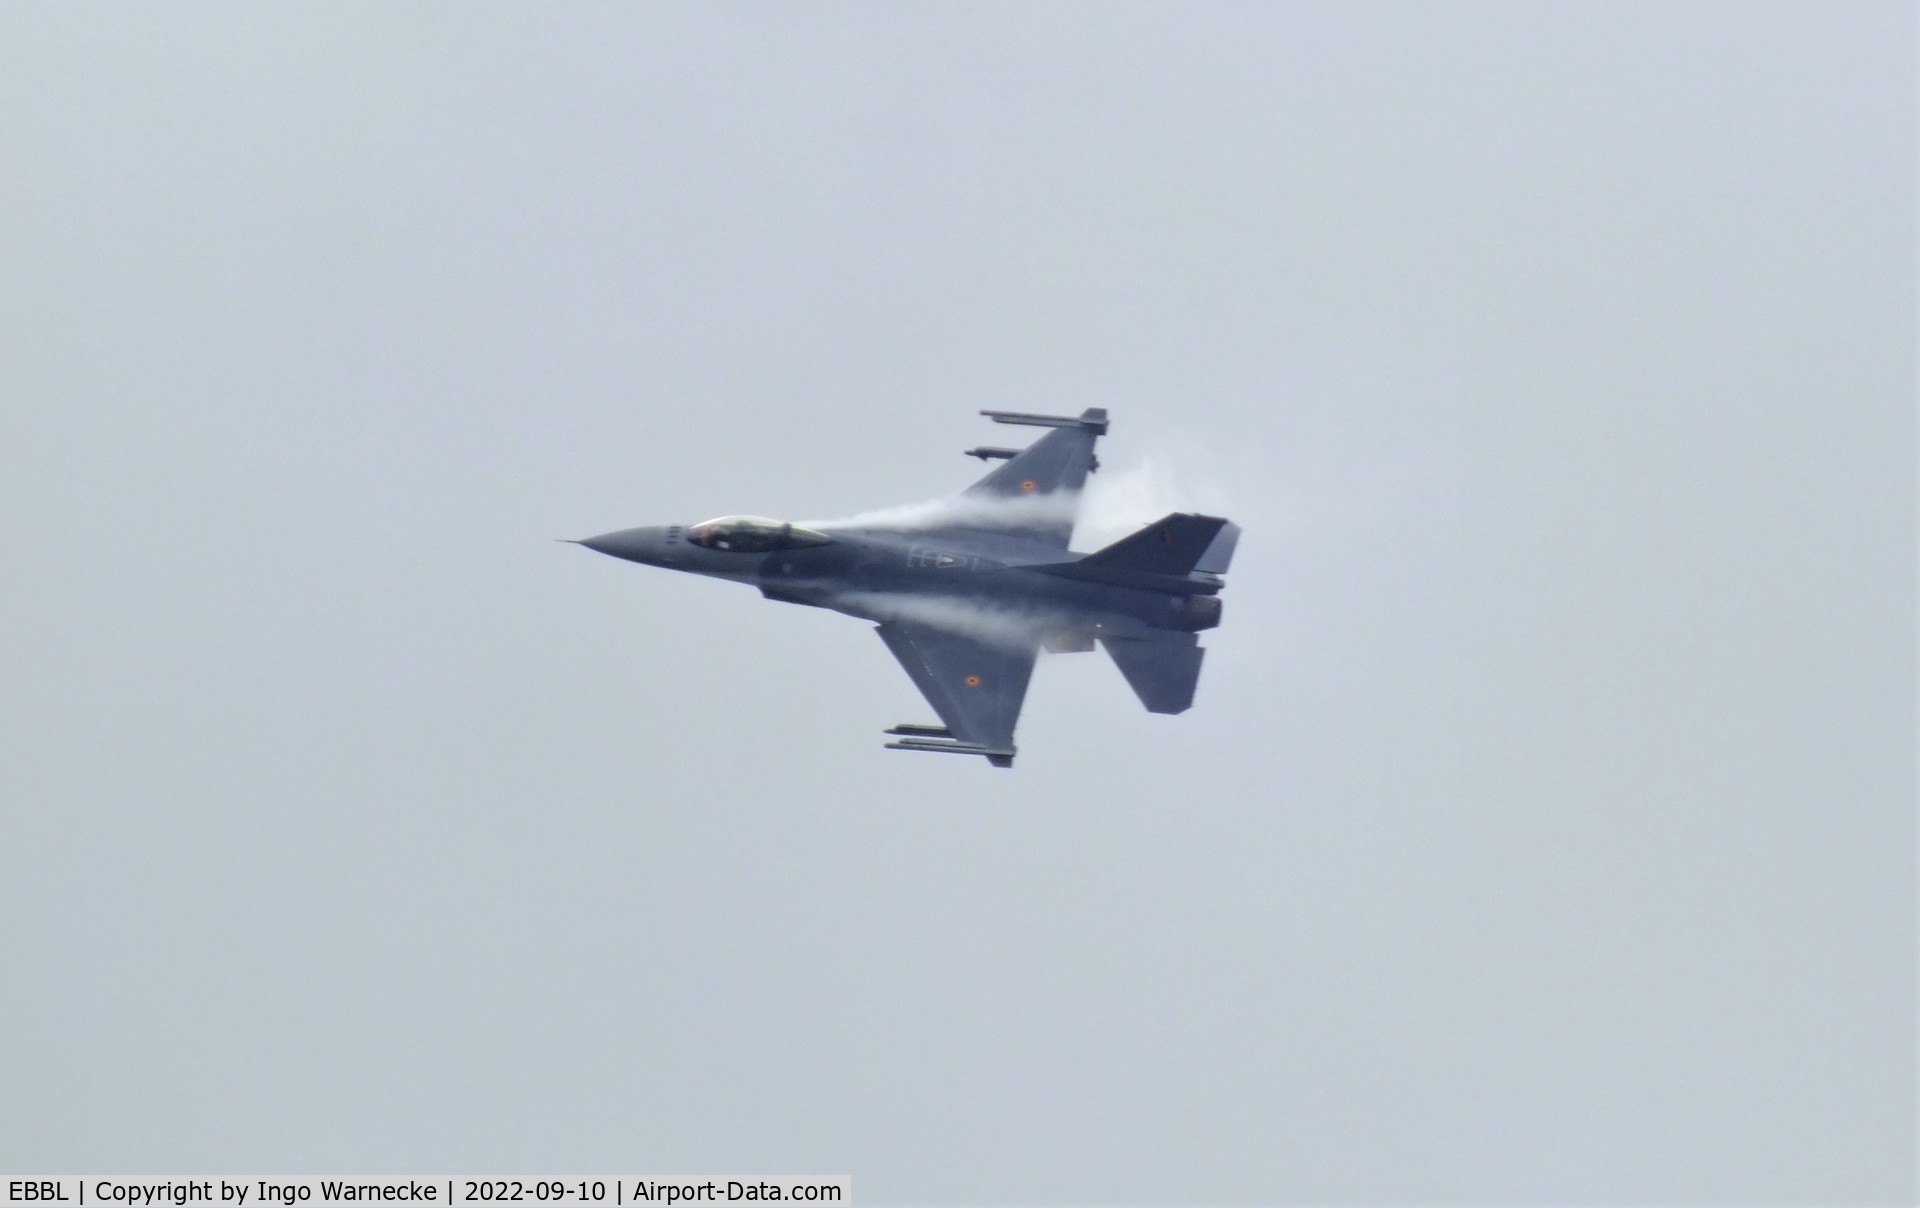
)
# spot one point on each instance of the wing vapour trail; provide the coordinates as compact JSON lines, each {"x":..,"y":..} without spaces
{"x":1116,"y":502}
{"x":963,"y":511}
{"x":1034,"y":495}
{"x":1002,"y":628}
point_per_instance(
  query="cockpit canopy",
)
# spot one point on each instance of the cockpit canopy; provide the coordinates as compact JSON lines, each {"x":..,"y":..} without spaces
{"x":752,"y":535}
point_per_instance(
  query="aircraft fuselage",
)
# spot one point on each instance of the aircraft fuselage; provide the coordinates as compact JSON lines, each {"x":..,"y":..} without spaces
{"x":879,"y":575}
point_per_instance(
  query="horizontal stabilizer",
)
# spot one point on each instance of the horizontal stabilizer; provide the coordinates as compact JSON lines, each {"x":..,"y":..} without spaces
{"x":1163,"y":672}
{"x":1172,"y":545}
{"x":992,"y":453}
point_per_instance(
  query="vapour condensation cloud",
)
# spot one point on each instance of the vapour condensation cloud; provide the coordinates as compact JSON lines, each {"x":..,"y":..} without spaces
{"x":1117,"y":500}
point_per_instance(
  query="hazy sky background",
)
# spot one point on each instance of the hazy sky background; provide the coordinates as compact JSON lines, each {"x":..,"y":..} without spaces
{"x":1544,"y":829}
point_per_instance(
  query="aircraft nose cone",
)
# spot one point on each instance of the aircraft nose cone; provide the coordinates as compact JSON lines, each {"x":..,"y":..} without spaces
{"x":634,"y":544}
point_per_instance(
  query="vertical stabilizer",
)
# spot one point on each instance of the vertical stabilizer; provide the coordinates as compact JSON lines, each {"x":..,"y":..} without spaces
{"x":1171,"y":545}
{"x":1162,"y":671}
{"x":1219,"y":553}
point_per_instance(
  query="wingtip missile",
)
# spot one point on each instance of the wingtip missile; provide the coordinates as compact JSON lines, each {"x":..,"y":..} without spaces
{"x":1093,"y":418}
{"x":998,"y":757}
{"x":913,"y":730}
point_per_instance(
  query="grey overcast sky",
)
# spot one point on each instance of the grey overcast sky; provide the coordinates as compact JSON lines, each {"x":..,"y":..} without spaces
{"x":1544,"y":830}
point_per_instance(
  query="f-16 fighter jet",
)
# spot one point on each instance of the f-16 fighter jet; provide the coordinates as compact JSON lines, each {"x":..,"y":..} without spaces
{"x":967,"y":595}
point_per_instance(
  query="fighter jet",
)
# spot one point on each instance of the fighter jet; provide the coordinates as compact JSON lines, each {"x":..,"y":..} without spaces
{"x":967,"y":595}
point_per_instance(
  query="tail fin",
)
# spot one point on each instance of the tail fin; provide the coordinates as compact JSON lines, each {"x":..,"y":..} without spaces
{"x":1172,"y":545}
{"x":1219,"y":555}
{"x":1163,"y":671}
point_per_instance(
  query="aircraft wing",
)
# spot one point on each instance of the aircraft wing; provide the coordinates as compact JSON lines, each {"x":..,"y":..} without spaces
{"x":976,"y":687}
{"x":1050,"y":472}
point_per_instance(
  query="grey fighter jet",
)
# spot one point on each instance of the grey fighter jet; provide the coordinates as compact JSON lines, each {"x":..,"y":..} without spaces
{"x":969,"y":593}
